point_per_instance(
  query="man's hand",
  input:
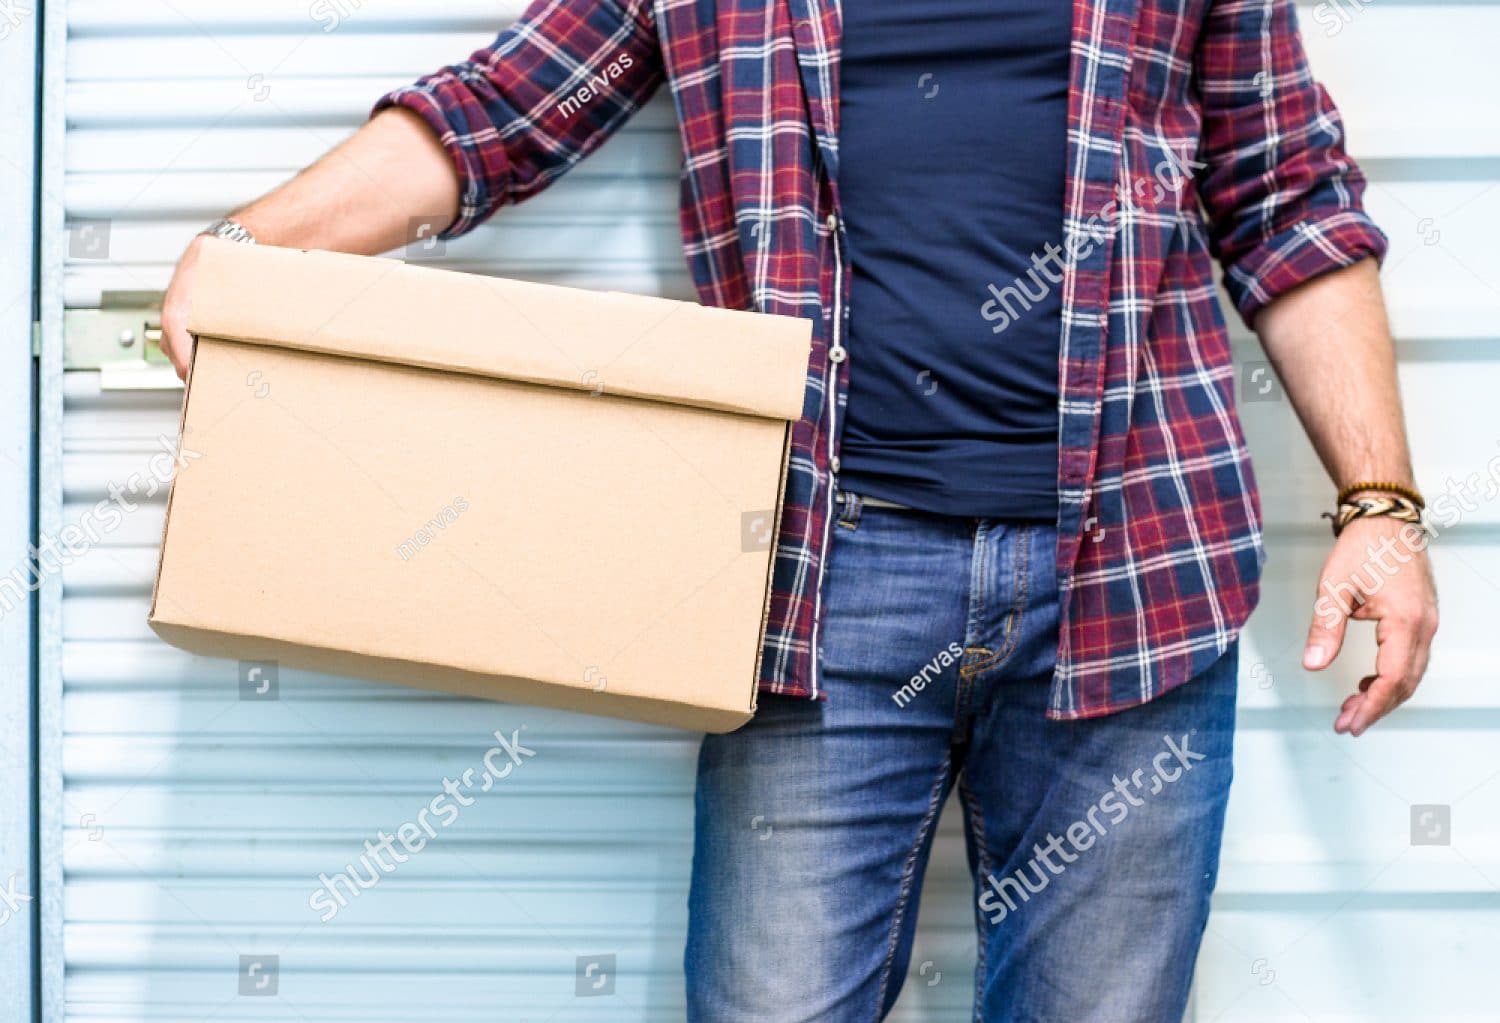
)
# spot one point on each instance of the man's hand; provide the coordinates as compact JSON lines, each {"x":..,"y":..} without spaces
{"x":1332,"y":348}
{"x":377,"y":190}
{"x":176,"y":342}
{"x":1377,"y":571}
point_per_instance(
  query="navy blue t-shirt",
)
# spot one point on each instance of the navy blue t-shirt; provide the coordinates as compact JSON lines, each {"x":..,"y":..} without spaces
{"x":952,"y":150}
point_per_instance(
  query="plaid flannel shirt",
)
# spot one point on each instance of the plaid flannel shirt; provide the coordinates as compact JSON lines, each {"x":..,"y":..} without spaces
{"x":1195,"y":131}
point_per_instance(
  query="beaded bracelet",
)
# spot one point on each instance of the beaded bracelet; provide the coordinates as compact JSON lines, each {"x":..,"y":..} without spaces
{"x":1385,"y":488}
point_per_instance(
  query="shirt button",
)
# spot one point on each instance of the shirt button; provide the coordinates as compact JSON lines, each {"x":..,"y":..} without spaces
{"x":832,"y":221}
{"x":835,"y":463}
{"x":837,"y":354}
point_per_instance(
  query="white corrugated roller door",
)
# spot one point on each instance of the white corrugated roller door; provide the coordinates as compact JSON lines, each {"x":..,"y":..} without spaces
{"x":189,"y":827}
{"x":1331,"y":905}
{"x":196,"y":824}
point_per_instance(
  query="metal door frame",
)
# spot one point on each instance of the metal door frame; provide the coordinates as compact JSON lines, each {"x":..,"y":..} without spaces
{"x":20,"y":68}
{"x":51,"y":249}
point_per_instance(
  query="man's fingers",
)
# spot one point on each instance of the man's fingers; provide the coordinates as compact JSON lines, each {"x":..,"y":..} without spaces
{"x":1326,"y":636}
{"x":1427,"y":627}
{"x":1383,"y":696}
{"x":1397,"y":642}
{"x":1395,"y":661}
{"x":1350,"y":706}
{"x":176,"y":343}
{"x":182,"y":354}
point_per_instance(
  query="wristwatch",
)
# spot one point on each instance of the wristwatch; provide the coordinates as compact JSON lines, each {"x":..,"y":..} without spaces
{"x":230,"y":230}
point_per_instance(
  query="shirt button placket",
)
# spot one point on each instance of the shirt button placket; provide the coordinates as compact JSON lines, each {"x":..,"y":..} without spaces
{"x":838,"y":353}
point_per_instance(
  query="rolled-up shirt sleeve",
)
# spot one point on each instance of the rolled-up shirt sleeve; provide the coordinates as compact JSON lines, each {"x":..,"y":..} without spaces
{"x":1284,"y":199}
{"x":548,"y":91}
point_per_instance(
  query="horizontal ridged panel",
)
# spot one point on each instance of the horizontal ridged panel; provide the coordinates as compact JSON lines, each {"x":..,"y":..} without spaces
{"x":196,"y":825}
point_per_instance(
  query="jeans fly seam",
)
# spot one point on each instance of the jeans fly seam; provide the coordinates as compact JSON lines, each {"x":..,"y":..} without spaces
{"x":977,"y":574}
{"x":1012,"y":634}
{"x":908,"y":876}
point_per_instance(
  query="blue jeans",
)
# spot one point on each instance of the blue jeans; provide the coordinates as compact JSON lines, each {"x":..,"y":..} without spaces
{"x":1094,"y":845}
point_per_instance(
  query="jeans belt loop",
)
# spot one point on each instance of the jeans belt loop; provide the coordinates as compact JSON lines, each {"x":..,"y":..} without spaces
{"x":850,"y":505}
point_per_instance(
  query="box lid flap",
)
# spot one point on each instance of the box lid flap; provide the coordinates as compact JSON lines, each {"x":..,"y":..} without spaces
{"x":602,"y":342}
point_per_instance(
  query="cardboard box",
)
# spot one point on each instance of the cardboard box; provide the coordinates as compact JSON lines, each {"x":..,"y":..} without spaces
{"x":480,"y":486}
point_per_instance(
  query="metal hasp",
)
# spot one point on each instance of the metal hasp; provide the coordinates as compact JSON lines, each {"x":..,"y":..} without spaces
{"x":121,"y":340}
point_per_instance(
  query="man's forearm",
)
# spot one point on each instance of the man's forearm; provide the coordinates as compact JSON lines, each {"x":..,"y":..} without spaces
{"x":1331,"y":345}
{"x":384,"y":186}
{"x":374,"y":192}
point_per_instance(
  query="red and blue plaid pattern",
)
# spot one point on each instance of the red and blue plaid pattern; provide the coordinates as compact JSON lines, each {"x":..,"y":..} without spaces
{"x":1195,"y":131}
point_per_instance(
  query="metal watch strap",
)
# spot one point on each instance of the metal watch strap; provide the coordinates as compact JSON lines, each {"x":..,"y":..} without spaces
{"x":230,"y":230}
